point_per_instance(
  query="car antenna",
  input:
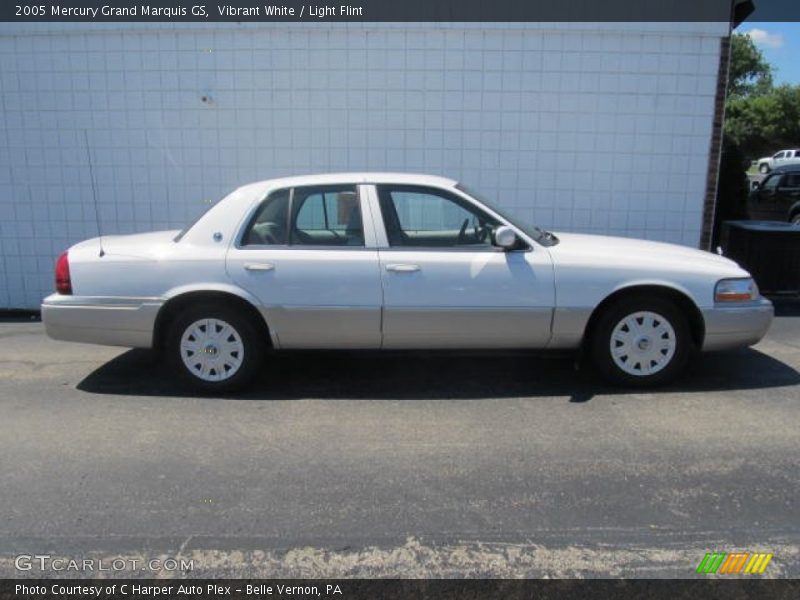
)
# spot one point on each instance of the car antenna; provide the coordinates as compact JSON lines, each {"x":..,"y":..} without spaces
{"x":94,"y":191}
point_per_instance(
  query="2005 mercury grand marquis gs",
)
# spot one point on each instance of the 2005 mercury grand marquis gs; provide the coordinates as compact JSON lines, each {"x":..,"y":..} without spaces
{"x":375,"y":260}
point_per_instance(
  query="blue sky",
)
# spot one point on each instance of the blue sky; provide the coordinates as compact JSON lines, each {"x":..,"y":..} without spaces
{"x":780,"y":43}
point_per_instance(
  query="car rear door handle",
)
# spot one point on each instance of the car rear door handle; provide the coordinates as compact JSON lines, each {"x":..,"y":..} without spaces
{"x":259,"y":267}
{"x":401,"y":268}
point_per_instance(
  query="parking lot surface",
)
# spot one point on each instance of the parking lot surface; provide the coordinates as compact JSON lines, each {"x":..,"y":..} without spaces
{"x":414,"y":464}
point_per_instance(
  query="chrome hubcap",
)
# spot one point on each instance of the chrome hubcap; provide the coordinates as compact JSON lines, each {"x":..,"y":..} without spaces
{"x":643,"y":343}
{"x":212,"y":349}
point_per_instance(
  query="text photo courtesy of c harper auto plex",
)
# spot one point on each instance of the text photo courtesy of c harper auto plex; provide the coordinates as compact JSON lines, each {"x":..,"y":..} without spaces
{"x":399,"y":300}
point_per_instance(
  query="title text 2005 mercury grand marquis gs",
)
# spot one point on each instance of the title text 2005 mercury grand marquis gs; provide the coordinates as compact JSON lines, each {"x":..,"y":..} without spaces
{"x":377,"y":260}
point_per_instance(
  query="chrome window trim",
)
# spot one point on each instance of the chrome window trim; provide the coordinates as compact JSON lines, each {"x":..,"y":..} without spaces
{"x":302,"y":247}
{"x":471,"y":249}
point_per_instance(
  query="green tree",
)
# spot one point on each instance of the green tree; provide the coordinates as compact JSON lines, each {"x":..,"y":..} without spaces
{"x":759,"y":117}
{"x":761,"y":124}
{"x":750,"y":73}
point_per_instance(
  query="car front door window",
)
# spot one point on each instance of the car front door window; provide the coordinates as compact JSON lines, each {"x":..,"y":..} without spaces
{"x":771,"y":184}
{"x":422,"y":217}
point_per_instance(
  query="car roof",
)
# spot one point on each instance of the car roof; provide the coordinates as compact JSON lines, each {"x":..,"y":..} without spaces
{"x":355,"y":177}
{"x":785,"y":168}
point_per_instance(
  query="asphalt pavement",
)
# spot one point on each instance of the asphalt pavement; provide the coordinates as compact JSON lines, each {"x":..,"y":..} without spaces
{"x":404,"y":464}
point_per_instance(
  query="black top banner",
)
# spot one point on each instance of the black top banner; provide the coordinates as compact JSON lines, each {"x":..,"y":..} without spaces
{"x":202,"y":11}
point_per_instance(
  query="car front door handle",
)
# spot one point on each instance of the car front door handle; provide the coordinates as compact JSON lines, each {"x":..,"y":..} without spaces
{"x":259,"y":267}
{"x":401,"y":268}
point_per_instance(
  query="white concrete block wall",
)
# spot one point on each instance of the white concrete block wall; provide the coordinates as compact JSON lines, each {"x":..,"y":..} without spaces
{"x":584,"y":127}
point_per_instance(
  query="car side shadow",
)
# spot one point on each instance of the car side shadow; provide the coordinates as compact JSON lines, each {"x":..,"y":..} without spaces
{"x":433,"y":376}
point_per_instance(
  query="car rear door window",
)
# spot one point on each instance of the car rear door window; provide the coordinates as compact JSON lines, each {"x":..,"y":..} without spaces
{"x":320,"y":216}
{"x":792,"y":180}
{"x":327,"y":216}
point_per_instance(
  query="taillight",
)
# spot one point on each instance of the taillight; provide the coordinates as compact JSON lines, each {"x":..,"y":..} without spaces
{"x":63,"y":282}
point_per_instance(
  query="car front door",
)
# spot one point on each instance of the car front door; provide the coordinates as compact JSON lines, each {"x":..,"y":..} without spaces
{"x":309,"y":256}
{"x":446,"y":285}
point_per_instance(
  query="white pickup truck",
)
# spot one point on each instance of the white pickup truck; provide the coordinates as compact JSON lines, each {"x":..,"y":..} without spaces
{"x":784,"y":157}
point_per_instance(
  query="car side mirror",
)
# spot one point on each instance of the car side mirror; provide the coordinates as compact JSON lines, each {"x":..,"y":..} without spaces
{"x":505,"y":238}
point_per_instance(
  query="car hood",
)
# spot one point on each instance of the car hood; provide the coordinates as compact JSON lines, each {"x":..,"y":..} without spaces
{"x":617,"y":251}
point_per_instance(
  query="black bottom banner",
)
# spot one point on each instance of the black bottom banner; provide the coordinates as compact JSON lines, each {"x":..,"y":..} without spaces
{"x":357,"y":589}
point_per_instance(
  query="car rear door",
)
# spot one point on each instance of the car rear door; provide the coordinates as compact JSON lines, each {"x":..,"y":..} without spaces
{"x":445,"y":285}
{"x":309,"y":255}
{"x":788,"y":194}
{"x":764,"y":203}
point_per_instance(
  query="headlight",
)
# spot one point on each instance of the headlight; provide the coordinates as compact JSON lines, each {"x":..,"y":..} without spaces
{"x":736,"y":290}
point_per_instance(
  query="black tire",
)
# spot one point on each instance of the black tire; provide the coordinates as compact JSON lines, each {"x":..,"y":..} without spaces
{"x":626,"y":307}
{"x":248,"y":333}
{"x":763,"y":168}
{"x":795,"y":219}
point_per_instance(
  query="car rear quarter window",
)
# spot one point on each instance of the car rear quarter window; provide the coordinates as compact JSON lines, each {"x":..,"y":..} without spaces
{"x":268,"y":227}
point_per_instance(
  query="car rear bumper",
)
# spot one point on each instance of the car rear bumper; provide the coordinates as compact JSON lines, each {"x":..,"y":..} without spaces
{"x":737,"y":326}
{"x":100,"y":320}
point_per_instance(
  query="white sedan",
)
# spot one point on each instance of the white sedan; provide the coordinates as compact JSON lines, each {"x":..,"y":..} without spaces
{"x":381,"y":260}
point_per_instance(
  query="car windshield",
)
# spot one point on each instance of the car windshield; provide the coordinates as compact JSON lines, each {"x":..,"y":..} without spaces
{"x":545,"y":238}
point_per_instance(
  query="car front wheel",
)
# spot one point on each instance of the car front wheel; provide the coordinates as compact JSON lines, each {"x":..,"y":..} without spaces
{"x":641,"y":342}
{"x":214,"y":348}
{"x":763,"y":168}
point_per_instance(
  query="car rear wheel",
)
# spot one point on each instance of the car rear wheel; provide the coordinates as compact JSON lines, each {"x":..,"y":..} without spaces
{"x":641,"y":341}
{"x":214,"y":349}
{"x":763,"y":168}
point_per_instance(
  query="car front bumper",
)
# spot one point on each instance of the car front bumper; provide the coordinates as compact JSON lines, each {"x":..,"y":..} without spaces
{"x":736,"y":326}
{"x":99,"y":320}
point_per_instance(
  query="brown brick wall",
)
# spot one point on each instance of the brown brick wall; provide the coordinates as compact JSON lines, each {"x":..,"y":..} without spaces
{"x":712,"y":180}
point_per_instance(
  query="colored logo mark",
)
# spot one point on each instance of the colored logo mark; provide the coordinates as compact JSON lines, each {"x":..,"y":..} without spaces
{"x":724,"y":563}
